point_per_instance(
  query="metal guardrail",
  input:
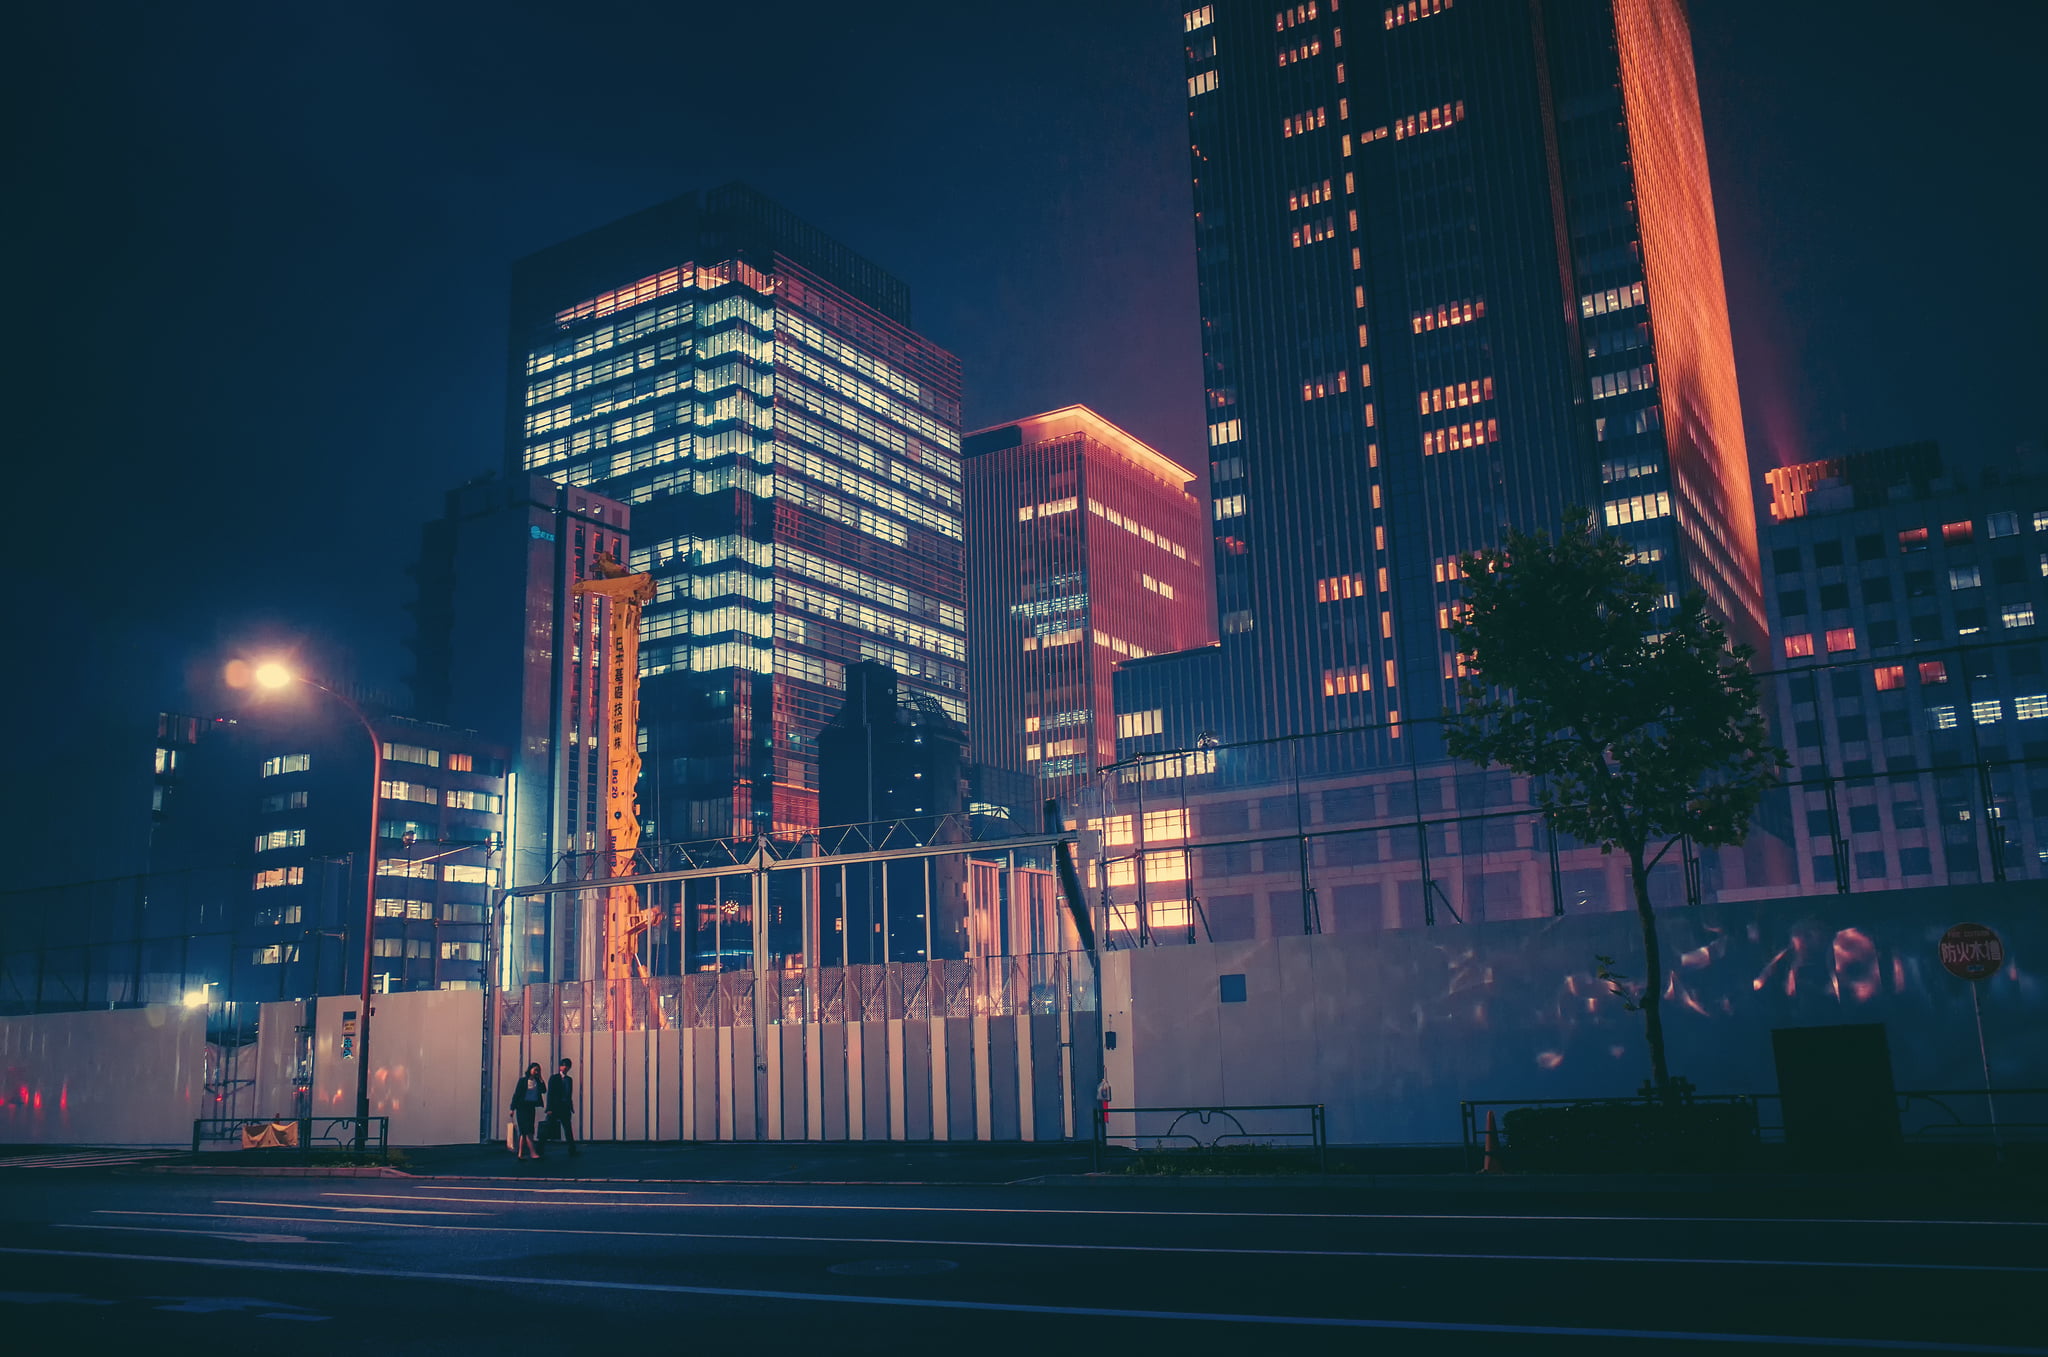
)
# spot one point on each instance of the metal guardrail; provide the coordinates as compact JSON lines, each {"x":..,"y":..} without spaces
{"x":315,"y":1133}
{"x":1210,"y":1130}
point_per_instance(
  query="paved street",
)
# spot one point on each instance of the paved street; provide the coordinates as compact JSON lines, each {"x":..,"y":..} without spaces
{"x":157,"y":1262}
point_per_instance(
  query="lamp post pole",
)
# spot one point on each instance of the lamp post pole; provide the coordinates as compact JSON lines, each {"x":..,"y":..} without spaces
{"x":369,"y":908}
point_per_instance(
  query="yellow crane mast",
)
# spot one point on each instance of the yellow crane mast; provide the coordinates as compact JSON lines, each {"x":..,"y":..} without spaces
{"x":624,"y":918}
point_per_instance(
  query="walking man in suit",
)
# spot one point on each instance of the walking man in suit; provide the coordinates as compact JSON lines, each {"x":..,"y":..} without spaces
{"x":562,"y":1104}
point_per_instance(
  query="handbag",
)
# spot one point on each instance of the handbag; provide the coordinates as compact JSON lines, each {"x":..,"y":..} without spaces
{"x":551,"y":1129}
{"x":512,"y":1135}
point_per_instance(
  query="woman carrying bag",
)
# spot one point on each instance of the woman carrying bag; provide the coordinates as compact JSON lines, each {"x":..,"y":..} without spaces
{"x":527,"y":1097}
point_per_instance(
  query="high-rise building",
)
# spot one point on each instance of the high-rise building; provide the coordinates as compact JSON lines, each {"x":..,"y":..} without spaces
{"x":501,"y":646}
{"x":1459,"y":270}
{"x":790,"y":450}
{"x":1089,"y":552}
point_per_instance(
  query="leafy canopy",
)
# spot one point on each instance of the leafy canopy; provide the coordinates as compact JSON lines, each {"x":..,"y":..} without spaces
{"x":1639,"y":731}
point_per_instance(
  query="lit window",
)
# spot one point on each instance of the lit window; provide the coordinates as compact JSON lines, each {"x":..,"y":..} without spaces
{"x":279,"y":876}
{"x":1199,"y":18}
{"x":1965,"y":577}
{"x":1132,"y":724}
{"x":1986,"y":713}
{"x":2041,"y":520}
{"x":287,"y":763}
{"x":1201,"y":84}
{"x":1934,"y":671}
{"x":1955,"y":533}
{"x":1942,"y":718}
{"x":1890,"y":676}
{"x":470,"y":876}
{"x":412,"y":753}
{"x":2030,"y":708}
{"x":1356,"y":678}
{"x":1165,"y":825}
{"x":1796,"y":646}
{"x":280,"y":838}
{"x":2001,"y":525}
{"x":1913,"y":539}
{"x":1841,"y":638}
{"x":2017,"y":614}
{"x":1338,"y":587}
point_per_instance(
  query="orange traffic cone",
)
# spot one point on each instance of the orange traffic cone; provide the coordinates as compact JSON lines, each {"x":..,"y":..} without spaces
{"x":1491,"y":1164}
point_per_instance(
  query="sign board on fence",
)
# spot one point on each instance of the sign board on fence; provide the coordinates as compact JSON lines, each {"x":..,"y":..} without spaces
{"x":1972,"y":952}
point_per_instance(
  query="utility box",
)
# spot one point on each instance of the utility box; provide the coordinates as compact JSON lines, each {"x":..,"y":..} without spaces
{"x":1835,"y":1087}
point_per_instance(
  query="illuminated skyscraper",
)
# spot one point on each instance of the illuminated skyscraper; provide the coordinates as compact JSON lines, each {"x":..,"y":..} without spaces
{"x":1458,"y":270}
{"x":1089,"y":551}
{"x":789,"y":448}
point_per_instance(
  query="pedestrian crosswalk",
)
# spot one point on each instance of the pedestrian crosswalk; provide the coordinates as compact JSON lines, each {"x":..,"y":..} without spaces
{"x":82,"y":1159}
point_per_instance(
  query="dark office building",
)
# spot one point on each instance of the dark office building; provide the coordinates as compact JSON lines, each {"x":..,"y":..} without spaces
{"x":500,"y":646}
{"x":1090,"y":552}
{"x":1458,"y":269}
{"x":1910,"y":694}
{"x":789,"y":448}
{"x":281,"y":796}
{"x":892,"y":768}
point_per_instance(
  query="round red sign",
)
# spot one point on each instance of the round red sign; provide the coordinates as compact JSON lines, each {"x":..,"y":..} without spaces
{"x":1972,"y":952}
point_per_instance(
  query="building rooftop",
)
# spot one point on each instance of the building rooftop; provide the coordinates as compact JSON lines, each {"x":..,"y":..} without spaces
{"x":1079,"y":419}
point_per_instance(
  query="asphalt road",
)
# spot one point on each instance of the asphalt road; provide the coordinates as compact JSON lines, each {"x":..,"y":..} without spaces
{"x":104,"y":1260}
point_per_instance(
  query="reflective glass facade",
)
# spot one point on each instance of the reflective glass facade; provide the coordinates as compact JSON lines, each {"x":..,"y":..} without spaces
{"x":790,"y":451}
{"x":1089,"y":552}
{"x":1458,"y":269}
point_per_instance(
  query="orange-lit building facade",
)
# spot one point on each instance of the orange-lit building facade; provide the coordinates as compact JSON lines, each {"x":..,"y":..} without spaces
{"x":1088,"y":550}
{"x":1459,"y":270}
{"x":789,"y":450}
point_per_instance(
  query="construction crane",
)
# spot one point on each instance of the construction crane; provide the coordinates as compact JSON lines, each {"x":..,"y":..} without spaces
{"x":624,"y":918}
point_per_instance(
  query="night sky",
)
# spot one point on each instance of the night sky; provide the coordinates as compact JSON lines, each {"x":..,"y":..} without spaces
{"x":259,"y":258}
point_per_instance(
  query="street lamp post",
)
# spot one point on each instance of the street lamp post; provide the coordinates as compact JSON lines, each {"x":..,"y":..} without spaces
{"x":278,"y":676}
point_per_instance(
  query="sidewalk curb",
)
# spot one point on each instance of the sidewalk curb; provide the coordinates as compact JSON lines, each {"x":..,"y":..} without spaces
{"x":725,"y":1182}
{"x":1511,"y":1184}
{"x":279,"y":1170}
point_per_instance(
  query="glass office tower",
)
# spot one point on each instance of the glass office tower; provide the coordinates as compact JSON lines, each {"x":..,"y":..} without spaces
{"x":790,"y":450}
{"x":1458,"y":270}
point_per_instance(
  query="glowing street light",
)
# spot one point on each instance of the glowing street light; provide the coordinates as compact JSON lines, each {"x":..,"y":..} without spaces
{"x":275,"y":675}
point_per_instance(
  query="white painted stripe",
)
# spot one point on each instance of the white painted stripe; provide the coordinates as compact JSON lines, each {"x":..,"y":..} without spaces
{"x":1008,"y":1307}
{"x":172,"y":1229}
{"x":1130,"y":1248}
{"x":1246,"y":1215}
{"x":317,"y":1206}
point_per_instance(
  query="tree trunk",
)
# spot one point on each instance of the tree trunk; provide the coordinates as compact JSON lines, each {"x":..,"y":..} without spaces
{"x":1653,"y":975}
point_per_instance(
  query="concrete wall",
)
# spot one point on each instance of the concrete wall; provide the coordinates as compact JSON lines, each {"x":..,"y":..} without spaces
{"x":133,"y":1076}
{"x":1391,"y":1030}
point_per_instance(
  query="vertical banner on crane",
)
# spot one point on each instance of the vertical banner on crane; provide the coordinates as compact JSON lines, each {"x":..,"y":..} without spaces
{"x":624,"y":919}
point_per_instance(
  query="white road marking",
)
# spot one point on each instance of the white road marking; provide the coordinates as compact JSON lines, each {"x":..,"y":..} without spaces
{"x":316,"y":1206}
{"x":84,"y":1159}
{"x":1091,"y":1312}
{"x":49,"y":1298}
{"x":171,"y":1229}
{"x":1383,"y":1254}
{"x":1226,"y":1215}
